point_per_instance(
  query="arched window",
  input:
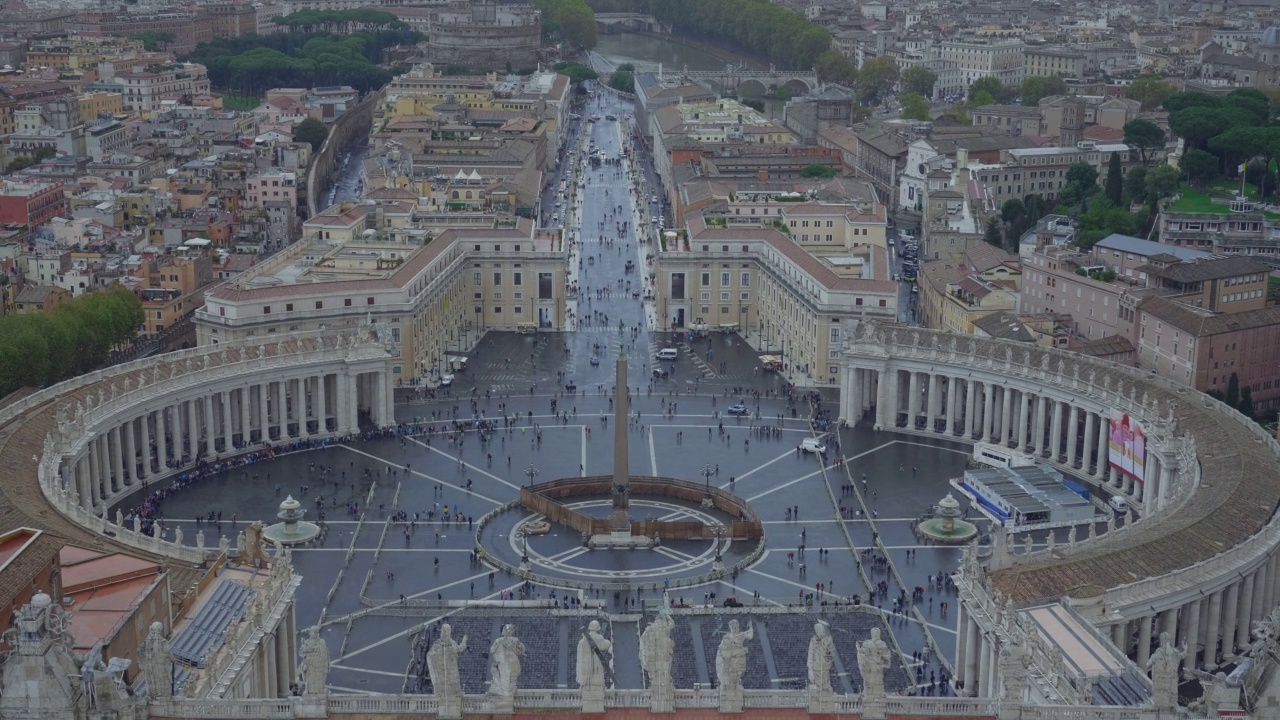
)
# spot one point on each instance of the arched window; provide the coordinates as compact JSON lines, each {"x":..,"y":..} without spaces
{"x":455,"y":194}
{"x":468,"y":194}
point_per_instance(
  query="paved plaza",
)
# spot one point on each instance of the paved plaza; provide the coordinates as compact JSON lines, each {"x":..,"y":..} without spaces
{"x":375,"y":582}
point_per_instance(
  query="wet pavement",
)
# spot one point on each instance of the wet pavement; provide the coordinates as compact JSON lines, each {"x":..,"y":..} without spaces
{"x":368,"y":580}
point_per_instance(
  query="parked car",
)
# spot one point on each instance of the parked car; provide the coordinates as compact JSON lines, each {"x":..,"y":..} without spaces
{"x":737,"y":409}
{"x":446,"y":379}
{"x":813,"y":445}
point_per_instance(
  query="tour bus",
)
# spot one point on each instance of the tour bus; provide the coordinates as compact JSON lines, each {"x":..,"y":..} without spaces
{"x":527,"y":328}
{"x":1001,"y":457}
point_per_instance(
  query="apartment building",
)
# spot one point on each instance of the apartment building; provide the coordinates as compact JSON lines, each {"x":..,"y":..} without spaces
{"x":966,"y":60}
{"x":1200,"y":348}
{"x":1043,"y":170}
{"x":272,"y":186}
{"x":1053,"y":62}
{"x":145,"y":86}
{"x":1236,"y":229}
{"x":30,"y":204}
{"x":428,"y":298}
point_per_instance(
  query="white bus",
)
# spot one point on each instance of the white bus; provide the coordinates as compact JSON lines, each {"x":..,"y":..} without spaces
{"x":1001,"y":457}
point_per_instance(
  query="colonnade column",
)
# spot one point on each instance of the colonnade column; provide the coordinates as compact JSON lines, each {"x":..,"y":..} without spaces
{"x":1103,"y":428}
{"x":1212,"y":627}
{"x":913,"y":400}
{"x":224,"y":423}
{"x":1231,"y":607}
{"x":146,"y":445}
{"x":972,"y":648}
{"x":1144,"y":640}
{"x":1037,"y":425}
{"x":1073,"y":427}
{"x":962,"y":642}
{"x":1024,"y":411}
{"x":988,"y":410}
{"x":322,"y":411}
{"x":1245,"y":612}
{"x":931,"y":404}
{"x":193,"y":429}
{"x":95,"y":471}
{"x":1192,"y":636}
{"x":82,"y":481}
{"x":131,"y":451}
{"x":1055,"y":429}
{"x":971,"y":411}
{"x":264,"y":419}
{"x":882,"y":401}
{"x":115,"y":473}
{"x":1007,"y":428}
{"x":953,"y":404}
{"x":162,"y":439}
{"x":209,"y":447}
{"x":282,"y":410}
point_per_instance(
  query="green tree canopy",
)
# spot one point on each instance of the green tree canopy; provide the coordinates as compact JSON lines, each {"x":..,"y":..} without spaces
{"x":1150,"y":90}
{"x":817,"y":171}
{"x":1034,"y":89}
{"x":876,"y":79}
{"x":577,"y":72}
{"x":783,"y":35}
{"x":914,"y":106}
{"x":831,"y":66}
{"x":918,"y":79}
{"x":1114,"y":189}
{"x":623,"y":82}
{"x":1144,"y":135}
{"x":1200,"y":166}
{"x":311,"y":131}
{"x":994,"y":89}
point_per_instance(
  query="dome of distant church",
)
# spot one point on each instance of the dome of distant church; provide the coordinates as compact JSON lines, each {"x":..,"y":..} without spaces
{"x":1270,"y":37}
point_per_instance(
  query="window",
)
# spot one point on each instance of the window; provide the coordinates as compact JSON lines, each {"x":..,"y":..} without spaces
{"x":517,"y":278}
{"x":497,"y":294}
{"x":724,"y":309}
{"x":677,"y":286}
{"x":706,"y":309}
{"x":724,"y":296}
{"x":497,"y":310}
{"x":346,"y":302}
{"x":744,"y":296}
{"x":745,"y":279}
{"x":475,"y":279}
{"x":705,"y":296}
{"x":266,"y":309}
{"x":368,"y":301}
{"x":706,"y":279}
{"x":545,"y":286}
{"x":319,"y":304}
{"x":497,"y":279}
{"x":288,"y":307}
{"x":724,"y":279}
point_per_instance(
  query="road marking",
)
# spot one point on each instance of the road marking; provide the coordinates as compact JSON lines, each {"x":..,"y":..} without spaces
{"x":758,"y":467}
{"x":466,"y":464}
{"x":423,"y":475}
{"x":753,"y":498}
{"x":653,"y":457}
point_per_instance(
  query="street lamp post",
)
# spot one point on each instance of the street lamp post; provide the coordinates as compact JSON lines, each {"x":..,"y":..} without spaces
{"x":531,"y":472}
{"x":707,"y":471}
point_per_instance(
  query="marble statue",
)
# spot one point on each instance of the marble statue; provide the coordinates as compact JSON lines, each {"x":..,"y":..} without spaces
{"x":1093,"y":530}
{"x":504,"y":662}
{"x":1014,"y":662}
{"x":657,"y":650}
{"x":731,"y":664}
{"x":590,"y":666}
{"x":1071,"y":536}
{"x":731,"y":657}
{"x":1028,"y":544}
{"x":137,"y":524}
{"x":177,"y":536}
{"x":241,"y":545}
{"x":315,"y":663}
{"x":1111,"y":522}
{"x":442,"y":666}
{"x":873,"y":660}
{"x":224,"y":546}
{"x":200,"y":543}
{"x":119,"y":518}
{"x":1163,"y":665}
{"x":822,"y":652}
{"x":156,"y":663}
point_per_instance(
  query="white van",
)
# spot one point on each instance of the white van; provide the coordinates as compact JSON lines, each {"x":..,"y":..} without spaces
{"x":667,"y":354}
{"x":1119,"y":505}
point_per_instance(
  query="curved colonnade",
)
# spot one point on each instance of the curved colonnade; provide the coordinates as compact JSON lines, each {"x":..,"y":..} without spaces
{"x":106,"y":434}
{"x":1200,"y":564}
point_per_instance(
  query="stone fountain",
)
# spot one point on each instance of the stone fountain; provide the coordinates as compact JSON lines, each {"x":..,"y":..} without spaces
{"x":292,"y":529}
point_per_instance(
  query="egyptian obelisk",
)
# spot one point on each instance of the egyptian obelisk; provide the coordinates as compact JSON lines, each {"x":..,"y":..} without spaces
{"x":621,"y":477}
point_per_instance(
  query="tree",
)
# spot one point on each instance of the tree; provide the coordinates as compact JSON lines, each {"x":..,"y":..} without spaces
{"x":993,"y":236}
{"x":1034,"y":89}
{"x":1186,"y":99}
{"x":1251,"y":101}
{"x":1135,"y":186}
{"x":836,"y":68}
{"x":1114,"y":189}
{"x":1232,"y":397}
{"x":918,"y":79}
{"x":1246,"y":401}
{"x":817,"y":171}
{"x":153,"y":40}
{"x":1200,"y":166}
{"x":1144,"y":135}
{"x":991,"y":86}
{"x":1161,"y":182}
{"x":1149,"y":89}
{"x":311,"y":131}
{"x":577,"y":72}
{"x":914,"y":106}
{"x":1081,"y":182}
{"x":1198,"y":124}
{"x":1102,"y":219}
{"x":623,"y":82}
{"x":876,"y":78}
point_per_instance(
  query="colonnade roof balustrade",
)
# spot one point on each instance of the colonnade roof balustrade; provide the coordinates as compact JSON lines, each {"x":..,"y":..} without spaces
{"x":36,"y":428}
{"x":1239,"y":473}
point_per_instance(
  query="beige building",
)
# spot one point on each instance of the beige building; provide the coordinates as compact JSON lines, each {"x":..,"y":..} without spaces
{"x":1053,"y":62}
{"x":956,"y":293}
{"x":788,"y":298}
{"x":431,"y":298}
